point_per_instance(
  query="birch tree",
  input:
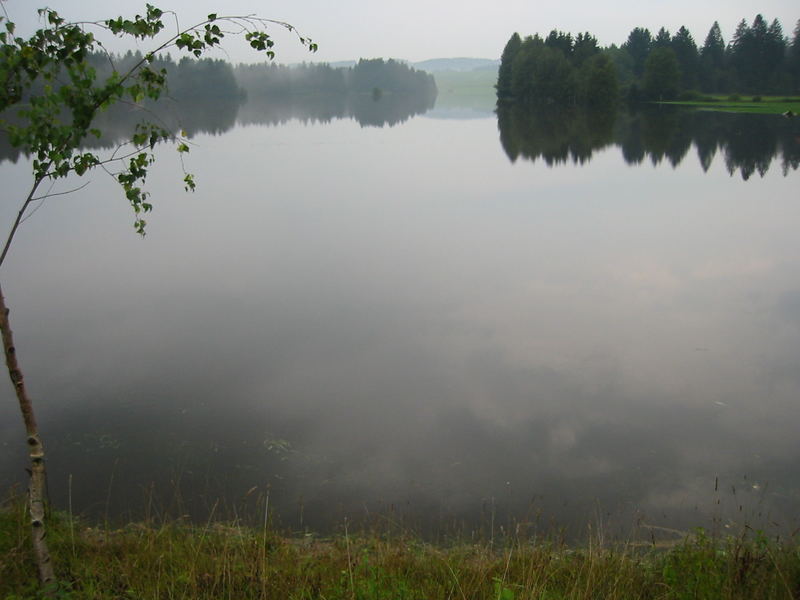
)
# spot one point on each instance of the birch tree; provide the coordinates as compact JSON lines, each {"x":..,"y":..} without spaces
{"x":50,"y":97}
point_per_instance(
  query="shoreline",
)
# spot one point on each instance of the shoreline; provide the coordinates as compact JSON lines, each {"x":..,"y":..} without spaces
{"x":228,"y":560}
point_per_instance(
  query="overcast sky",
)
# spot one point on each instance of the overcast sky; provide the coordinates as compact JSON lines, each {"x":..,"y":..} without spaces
{"x":417,"y":30}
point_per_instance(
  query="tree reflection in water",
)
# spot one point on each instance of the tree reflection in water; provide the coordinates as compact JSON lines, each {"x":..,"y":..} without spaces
{"x":748,"y":143}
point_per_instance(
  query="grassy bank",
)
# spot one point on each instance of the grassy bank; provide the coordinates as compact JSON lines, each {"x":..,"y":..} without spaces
{"x":467,"y":90}
{"x":744,"y":104}
{"x":228,"y":561}
{"x":479,"y":82}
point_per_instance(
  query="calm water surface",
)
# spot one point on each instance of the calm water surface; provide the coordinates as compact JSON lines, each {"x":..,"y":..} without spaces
{"x":402,"y":321}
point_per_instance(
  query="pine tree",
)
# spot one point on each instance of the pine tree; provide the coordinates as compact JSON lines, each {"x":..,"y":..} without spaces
{"x":713,"y":50}
{"x":774,"y":54}
{"x":560,"y":41}
{"x":662,"y":39}
{"x":739,"y":55}
{"x":794,"y":59}
{"x":688,"y":58}
{"x":712,"y":61}
{"x":504,"y":74}
{"x":584,"y":48}
{"x":757,"y":54}
{"x":638,"y":46}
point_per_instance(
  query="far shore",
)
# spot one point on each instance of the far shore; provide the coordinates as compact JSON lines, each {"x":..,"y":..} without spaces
{"x":771,"y":105}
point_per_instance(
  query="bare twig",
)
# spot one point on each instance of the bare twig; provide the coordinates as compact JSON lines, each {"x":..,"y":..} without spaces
{"x":52,"y":195}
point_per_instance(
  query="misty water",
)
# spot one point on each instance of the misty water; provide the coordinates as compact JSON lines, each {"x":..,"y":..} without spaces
{"x":430,"y":318}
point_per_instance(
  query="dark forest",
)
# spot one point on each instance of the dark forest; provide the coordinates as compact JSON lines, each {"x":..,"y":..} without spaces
{"x":562,"y":69}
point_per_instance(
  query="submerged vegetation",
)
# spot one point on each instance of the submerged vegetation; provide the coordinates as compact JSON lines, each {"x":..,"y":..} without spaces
{"x":227,"y":560}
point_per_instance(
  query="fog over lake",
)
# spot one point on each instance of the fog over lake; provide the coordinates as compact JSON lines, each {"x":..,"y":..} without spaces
{"x":436,"y":320}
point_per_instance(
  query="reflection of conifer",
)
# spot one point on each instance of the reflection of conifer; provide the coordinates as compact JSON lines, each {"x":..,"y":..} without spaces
{"x":508,"y":134}
{"x":555,"y":136}
{"x":708,"y":137}
{"x":751,"y":146}
{"x":631,"y":141}
{"x":747,"y":143}
{"x":789,"y":136}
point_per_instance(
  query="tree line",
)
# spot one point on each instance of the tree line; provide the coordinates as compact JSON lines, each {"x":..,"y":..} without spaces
{"x":557,"y":70}
{"x":566,"y":70}
{"x":194,"y":81}
{"x":211,"y":95}
{"x":211,"y":78}
{"x":206,"y":114}
{"x":374,"y":77}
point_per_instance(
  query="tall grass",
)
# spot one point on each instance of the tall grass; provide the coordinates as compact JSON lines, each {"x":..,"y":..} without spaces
{"x":172,"y":560}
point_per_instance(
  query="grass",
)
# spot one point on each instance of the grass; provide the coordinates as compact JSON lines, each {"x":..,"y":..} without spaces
{"x":217,"y":560}
{"x":743,"y":104}
{"x":479,"y":82}
{"x":475,"y":85}
{"x":467,"y":90}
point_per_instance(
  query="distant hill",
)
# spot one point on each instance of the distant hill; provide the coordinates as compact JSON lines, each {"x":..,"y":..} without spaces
{"x":343,"y":64}
{"x":476,"y":66}
{"x":435,"y":65}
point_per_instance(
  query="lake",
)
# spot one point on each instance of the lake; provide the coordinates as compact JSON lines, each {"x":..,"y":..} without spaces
{"x":445,"y":318}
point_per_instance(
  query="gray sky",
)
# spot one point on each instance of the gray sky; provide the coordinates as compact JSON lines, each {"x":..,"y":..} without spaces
{"x":420,"y":29}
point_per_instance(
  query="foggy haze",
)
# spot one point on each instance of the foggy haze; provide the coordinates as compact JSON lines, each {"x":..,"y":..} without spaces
{"x":415,"y":30}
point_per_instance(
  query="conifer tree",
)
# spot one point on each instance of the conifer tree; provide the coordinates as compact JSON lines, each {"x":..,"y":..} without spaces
{"x":504,"y":74}
{"x":712,"y":61}
{"x":638,"y":45}
{"x":688,"y":58}
{"x":663,"y":39}
{"x":756,"y":55}
{"x":560,"y":41}
{"x":794,"y":59}
{"x":584,"y":47}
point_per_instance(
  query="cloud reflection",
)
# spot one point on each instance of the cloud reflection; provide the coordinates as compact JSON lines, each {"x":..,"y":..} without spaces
{"x":541,"y":346}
